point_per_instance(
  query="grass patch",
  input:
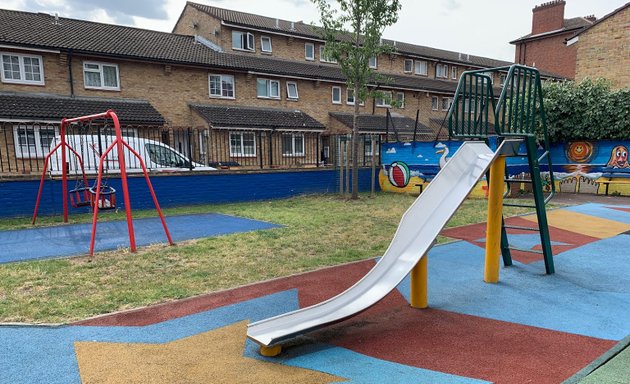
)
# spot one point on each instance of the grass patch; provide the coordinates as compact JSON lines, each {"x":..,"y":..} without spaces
{"x":318,"y":231}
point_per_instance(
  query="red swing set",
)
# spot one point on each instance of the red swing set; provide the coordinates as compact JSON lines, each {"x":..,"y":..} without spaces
{"x":100,"y":196}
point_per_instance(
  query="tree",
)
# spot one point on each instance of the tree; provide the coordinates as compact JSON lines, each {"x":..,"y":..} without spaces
{"x":353,"y":35}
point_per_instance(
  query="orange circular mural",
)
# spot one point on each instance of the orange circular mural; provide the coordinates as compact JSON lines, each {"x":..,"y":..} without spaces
{"x":580,"y":151}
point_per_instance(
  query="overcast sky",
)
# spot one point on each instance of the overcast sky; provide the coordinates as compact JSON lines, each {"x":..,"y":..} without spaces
{"x":479,"y":27}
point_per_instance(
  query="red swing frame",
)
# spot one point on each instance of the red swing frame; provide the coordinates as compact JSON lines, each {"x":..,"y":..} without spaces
{"x":119,"y":143}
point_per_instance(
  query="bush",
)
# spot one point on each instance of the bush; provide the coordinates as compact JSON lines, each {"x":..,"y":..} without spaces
{"x":586,"y":111}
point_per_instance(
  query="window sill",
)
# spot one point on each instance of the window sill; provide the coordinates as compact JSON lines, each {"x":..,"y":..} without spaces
{"x":23,"y":83}
{"x":383,"y":106}
{"x":268,"y":53}
{"x":268,"y":98}
{"x":294,"y":156}
{"x":241,"y":156}
{"x":422,"y":74}
{"x":103,"y":89}
{"x":222,"y":97}
{"x":244,"y":50}
{"x":293,"y":99}
{"x":309,"y":58}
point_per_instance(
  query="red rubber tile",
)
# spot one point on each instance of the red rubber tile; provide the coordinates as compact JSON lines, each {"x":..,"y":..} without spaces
{"x":473,"y":232}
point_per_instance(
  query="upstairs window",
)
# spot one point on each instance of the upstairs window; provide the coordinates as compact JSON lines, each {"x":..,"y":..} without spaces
{"x":434,"y":103}
{"x":292,"y":90}
{"x":373,"y":63}
{"x":384,"y":100}
{"x":446,"y":103}
{"x":221,"y":86}
{"x":441,"y":71}
{"x":268,"y":88}
{"x":408,"y":67}
{"x":293,"y":144}
{"x":242,"y":144}
{"x":453,"y":72}
{"x":265,"y":44}
{"x":101,"y":76}
{"x":243,"y":41}
{"x":336,"y":95}
{"x":309,"y":51}
{"x":350,"y":100}
{"x":22,"y":69}
{"x":421,"y":67}
{"x":33,"y":141}
{"x":323,"y":57}
{"x":400,"y":99}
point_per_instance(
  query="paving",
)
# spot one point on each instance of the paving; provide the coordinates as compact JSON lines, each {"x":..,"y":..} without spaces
{"x":529,"y":328}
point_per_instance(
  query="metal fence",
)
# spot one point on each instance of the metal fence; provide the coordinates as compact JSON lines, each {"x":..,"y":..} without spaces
{"x":24,"y":145}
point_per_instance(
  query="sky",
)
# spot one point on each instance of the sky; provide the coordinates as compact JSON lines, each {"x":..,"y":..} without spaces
{"x":479,"y":27}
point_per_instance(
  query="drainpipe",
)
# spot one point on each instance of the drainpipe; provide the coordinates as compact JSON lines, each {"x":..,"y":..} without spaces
{"x":70,"y":51}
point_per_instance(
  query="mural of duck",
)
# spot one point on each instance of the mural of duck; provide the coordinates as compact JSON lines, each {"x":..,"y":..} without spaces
{"x":443,"y":149}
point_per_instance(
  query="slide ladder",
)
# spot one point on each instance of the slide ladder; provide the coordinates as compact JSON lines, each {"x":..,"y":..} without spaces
{"x":518,"y":113}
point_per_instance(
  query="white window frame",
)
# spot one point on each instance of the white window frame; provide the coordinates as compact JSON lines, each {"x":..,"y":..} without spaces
{"x":453,"y":72}
{"x":373,"y":62}
{"x":383,"y":102}
{"x":449,"y":101}
{"x":22,"y":69}
{"x":241,"y":152}
{"x":435,"y":103}
{"x":102,"y":75}
{"x":244,"y":44}
{"x":491,"y":75}
{"x":411,"y":66}
{"x":312,"y":56}
{"x":323,"y":58}
{"x":400,"y":99}
{"x":295,"y":152}
{"x":368,"y":144}
{"x":296,"y":96}
{"x":222,"y":79}
{"x":441,"y":71}
{"x":262,"y":44}
{"x":426,"y":67}
{"x":338,"y":89}
{"x":25,"y":151}
{"x":349,"y":95}
{"x":269,"y":88}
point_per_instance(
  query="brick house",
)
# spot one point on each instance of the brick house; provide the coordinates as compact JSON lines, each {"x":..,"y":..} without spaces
{"x":545,"y":47}
{"x":204,"y":88}
{"x":603,"y":48}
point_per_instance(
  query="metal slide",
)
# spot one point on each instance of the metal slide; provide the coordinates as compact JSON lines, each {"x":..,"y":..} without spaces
{"x":418,"y":227}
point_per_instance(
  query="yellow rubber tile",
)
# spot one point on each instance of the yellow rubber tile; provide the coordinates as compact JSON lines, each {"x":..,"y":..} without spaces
{"x":584,"y":224}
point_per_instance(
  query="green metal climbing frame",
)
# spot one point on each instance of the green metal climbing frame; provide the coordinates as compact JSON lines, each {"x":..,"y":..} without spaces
{"x":517,"y":112}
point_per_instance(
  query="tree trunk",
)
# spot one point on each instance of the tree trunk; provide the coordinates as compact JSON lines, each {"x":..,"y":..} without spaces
{"x":355,"y":145}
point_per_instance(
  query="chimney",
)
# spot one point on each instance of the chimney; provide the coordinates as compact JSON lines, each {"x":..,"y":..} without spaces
{"x":548,"y":17}
{"x":591,"y":18}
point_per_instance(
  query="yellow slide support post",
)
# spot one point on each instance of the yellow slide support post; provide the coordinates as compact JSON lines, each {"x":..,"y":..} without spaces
{"x":495,"y":215}
{"x":419,"y":284}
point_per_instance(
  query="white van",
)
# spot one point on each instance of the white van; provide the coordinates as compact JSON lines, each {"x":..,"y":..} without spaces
{"x":157,"y":157}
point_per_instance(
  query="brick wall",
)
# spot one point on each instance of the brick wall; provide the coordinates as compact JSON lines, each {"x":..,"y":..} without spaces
{"x":604,"y":50}
{"x":549,"y":54}
{"x":548,"y":17}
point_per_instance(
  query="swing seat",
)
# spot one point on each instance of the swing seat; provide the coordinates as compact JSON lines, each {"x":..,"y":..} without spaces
{"x":80,"y":197}
{"x":107,"y":198}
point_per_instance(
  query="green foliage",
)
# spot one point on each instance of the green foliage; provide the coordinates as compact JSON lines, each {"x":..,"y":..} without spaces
{"x":589,"y":110}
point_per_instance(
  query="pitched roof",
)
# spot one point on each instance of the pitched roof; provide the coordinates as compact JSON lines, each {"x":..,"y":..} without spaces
{"x":569,"y":25}
{"x":378,"y":123}
{"x":52,"y":107}
{"x":301,"y":29}
{"x":220,"y":116}
{"x":606,"y":17}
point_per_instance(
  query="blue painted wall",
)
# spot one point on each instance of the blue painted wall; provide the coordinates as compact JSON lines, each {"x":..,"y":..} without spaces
{"x":17,"y":198}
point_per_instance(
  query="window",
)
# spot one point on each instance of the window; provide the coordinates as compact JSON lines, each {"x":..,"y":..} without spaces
{"x":293,"y":144}
{"x":446,"y":103}
{"x":101,"y":76}
{"x":221,"y":85}
{"x":350,"y":97}
{"x":434,"y":103}
{"x":441,"y":71}
{"x":367,"y":145}
{"x":243,"y":41}
{"x":408,"y":68}
{"x":373,"y":62}
{"x":292,"y":91}
{"x":503,"y":78}
{"x":33,"y":141}
{"x":336,"y":95}
{"x":242,"y":144}
{"x":384,"y":100}
{"x":22,"y":69}
{"x":421,"y":67}
{"x":265,"y":44}
{"x":468,"y":103}
{"x":453,"y":72}
{"x":400,"y":99}
{"x":268,"y":88}
{"x":490,"y":74}
{"x":309,"y":51}
{"x":323,"y":57}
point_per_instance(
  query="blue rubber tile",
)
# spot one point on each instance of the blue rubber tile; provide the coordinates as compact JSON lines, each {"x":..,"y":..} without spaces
{"x":589,"y":294}
{"x":602,"y":211}
{"x":74,"y":239}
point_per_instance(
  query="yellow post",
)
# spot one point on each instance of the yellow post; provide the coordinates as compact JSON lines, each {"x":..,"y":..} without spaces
{"x":493,"y":229}
{"x":419,"y":287}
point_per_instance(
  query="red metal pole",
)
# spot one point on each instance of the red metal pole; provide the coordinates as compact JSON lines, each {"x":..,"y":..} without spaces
{"x":155,"y":200}
{"x":64,"y":171}
{"x":123,"y":178}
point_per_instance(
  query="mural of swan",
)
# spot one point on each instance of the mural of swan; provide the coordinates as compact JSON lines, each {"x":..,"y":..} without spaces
{"x":443,"y":149}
